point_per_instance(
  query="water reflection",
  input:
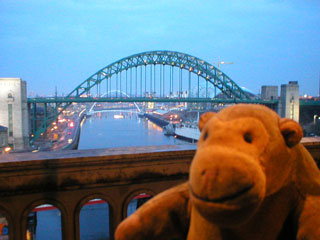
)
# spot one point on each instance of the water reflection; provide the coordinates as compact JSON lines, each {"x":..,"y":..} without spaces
{"x":103,"y":131}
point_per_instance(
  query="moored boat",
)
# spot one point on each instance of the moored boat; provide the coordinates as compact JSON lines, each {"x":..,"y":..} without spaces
{"x":188,"y":132}
{"x":169,"y":130}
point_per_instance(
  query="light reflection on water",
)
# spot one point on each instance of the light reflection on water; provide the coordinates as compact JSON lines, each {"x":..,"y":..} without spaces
{"x":103,"y":131}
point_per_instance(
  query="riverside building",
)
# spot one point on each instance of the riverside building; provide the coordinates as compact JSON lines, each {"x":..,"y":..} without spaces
{"x":289,"y":101}
{"x":14,"y":111}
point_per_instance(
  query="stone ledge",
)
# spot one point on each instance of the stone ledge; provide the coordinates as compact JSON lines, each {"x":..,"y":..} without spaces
{"x":84,"y":169}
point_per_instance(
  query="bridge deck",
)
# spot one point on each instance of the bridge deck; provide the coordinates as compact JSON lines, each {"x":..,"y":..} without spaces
{"x":143,"y":99}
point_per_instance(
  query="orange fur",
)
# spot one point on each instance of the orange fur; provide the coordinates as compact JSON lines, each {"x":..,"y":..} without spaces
{"x":250,"y":179}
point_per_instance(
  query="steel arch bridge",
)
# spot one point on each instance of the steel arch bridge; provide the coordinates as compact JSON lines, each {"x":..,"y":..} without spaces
{"x":156,"y":83}
{"x":184,"y":61}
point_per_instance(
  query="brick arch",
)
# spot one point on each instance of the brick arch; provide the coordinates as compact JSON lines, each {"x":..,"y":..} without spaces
{"x":86,"y":199}
{"x":89,"y":197}
{"x":131,"y":195}
{"x":39,"y":202}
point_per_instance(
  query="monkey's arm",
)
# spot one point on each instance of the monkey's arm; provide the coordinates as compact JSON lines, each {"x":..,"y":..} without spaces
{"x":165,"y":216}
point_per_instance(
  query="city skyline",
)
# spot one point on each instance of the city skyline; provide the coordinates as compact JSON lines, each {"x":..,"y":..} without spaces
{"x":59,"y":44}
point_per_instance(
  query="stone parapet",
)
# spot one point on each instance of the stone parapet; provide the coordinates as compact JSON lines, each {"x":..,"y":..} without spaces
{"x":69,"y":179}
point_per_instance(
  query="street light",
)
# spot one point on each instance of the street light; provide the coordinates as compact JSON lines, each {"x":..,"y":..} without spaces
{"x":7,"y":149}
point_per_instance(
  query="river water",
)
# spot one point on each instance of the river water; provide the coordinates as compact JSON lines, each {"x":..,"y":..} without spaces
{"x":103,"y":130}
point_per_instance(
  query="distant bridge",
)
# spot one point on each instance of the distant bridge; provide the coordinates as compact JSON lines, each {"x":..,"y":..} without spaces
{"x":107,"y":99}
{"x":155,"y":76}
{"x":60,"y":100}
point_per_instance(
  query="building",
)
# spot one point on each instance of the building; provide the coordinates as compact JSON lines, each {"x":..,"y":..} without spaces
{"x":269,"y":92}
{"x":289,"y":105}
{"x":3,"y":137}
{"x":14,"y":111}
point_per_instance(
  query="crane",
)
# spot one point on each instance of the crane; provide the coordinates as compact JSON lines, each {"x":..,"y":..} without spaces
{"x":222,"y":62}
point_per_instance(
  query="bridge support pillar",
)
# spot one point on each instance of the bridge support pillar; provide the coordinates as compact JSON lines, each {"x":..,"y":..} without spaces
{"x":69,"y":232}
{"x":116,"y":216}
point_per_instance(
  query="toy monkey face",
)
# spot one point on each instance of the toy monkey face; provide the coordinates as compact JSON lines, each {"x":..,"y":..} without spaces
{"x":229,"y":175}
{"x":226,"y":177}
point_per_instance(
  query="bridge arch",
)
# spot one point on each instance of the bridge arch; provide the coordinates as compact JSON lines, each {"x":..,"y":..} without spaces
{"x":203,"y":69}
{"x":212,"y":76}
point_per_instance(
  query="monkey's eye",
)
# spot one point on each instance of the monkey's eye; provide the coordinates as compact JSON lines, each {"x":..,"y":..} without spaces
{"x":247,"y":137}
{"x":205,"y":135}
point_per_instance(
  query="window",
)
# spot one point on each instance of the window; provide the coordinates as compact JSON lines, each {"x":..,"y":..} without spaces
{"x":10,"y":120}
{"x":3,"y":140}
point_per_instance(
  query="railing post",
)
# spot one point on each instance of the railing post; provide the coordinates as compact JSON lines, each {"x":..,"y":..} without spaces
{"x":115,"y":217}
{"x":16,"y":229}
{"x":68,"y":225}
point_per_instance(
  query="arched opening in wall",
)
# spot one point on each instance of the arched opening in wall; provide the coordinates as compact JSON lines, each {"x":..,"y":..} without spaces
{"x":4,"y":228}
{"x":94,"y":220}
{"x":44,"y":222}
{"x":137,"y":202}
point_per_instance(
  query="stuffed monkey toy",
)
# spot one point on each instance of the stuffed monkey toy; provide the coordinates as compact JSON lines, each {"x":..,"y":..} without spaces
{"x":250,"y":179}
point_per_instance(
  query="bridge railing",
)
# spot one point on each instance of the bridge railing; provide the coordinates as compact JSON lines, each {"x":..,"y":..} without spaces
{"x":68,"y":180}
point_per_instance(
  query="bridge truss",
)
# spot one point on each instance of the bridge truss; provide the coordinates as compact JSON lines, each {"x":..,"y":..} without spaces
{"x":158,"y":76}
{"x":183,"y":61}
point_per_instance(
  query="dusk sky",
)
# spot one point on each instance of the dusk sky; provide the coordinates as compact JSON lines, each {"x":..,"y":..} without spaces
{"x":63,"y":42}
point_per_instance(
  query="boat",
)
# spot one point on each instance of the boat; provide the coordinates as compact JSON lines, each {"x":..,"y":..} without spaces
{"x":118,"y":116}
{"x":169,"y":130}
{"x":190,"y":133}
{"x":157,"y":119}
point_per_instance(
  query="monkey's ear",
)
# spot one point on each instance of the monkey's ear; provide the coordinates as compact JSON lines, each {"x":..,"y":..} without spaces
{"x":291,"y":131}
{"x":204,"y":119}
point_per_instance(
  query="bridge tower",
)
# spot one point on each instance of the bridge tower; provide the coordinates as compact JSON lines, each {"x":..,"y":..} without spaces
{"x":289,"y":101}
{"x":14,"y":111}
{"x":269,"y":92}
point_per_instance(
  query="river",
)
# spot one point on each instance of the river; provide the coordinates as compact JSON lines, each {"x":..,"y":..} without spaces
{"x":103,"y":130}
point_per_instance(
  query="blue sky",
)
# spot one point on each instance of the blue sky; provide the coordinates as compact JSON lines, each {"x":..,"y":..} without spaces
{"x":62,"y":42}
